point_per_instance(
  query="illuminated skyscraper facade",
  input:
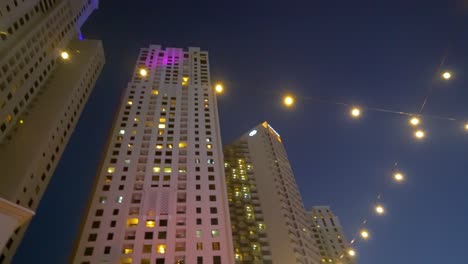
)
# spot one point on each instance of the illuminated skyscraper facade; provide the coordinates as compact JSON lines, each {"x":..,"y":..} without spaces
{"x":47,"y":72}
{"x":269,"y":222}
{"x":160,"y":194}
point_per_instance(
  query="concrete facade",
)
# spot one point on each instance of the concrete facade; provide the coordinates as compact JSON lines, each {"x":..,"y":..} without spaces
{"x":329,"y":236}
{"x":41,"y":99}
{"x":269,"y":222}
{"x":160,"y":194}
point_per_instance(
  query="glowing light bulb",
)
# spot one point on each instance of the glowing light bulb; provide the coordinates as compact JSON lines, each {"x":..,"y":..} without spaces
{"x":379,"y":209}
{"x":415,"y":121}
{"x":466,"y":126}
{"x":446,"y":75}
{"x":398,"y":177}
{"x":65,"y":55}
{"x":351,"y":252}
{"x":143,"y":72}
{"x":365,"y":234}
{"x":288,"y":100}
{"x":419,"y":134}
{"x":219,"y":88}
{"x":355,"y":112}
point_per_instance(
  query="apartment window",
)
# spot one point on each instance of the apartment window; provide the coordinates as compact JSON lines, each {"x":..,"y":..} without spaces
{"x":92,"y":237}
{"x":163,"y":222}
{"x":216,"y":246}
{"x":89,"y":251}
{"x":199,"y":260}
{"x":96,"y":224}
{"x":99,"y":212}
{"x":159,"y":261}
{"x":113,"y":223}
{"x":110,"y":236}
{"x":162,"y":235}
{"x":214,"y":233}
{"x":199,"y":246}
{"x":198,"y":210}
{"x":148,"y":235}
{"x":216,"y":259}
{"x":199,"y":221}
{"x":213,"y":198}
{"x":107,"y":250}
{"x":213,"y":210}
{"x":147,"y":248}
{"x":214,"y":221}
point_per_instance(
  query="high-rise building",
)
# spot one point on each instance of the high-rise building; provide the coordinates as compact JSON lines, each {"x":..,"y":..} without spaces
{"x":269,"y":222}
{"x":160,"y":193}
{"x":47,"y":72}
{"x":329,"y":236}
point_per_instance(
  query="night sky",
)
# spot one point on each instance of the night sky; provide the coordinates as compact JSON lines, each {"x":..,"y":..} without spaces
{"x":378,"y":55}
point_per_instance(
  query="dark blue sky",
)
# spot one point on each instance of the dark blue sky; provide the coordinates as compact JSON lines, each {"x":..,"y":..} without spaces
{"x":379,"y":55}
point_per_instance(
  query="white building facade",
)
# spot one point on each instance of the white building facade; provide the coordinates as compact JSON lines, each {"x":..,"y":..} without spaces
{"x":329,"y":236}
{"x":160,"y":193}
{"x":41,"y":98}
{"x":269,"y":222}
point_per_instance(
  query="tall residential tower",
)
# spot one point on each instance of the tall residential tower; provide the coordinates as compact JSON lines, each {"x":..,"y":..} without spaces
{"x":329,"y":236}
{"x":47,"y":72}
{"x":160,"y":193}
{"x":269,"y":222}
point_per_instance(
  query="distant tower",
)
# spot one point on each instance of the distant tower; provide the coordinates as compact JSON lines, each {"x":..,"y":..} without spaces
{"x":46,"y":75}
{"x":160,"y":194}
{"x":329,"y":236}
{"x":269,"y":222}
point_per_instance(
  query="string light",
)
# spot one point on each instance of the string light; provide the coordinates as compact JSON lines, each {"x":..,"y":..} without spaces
{"x":288,"y":100}
{"x":143,"y":72}
{"x":415,"y":121}
{"x":365,"y":234}
{"x":379,"y":209}
{"x":398,"y":177}
{"x":64,"y":55}
{"x":447,"y":75}
{"x":355,"y":112}
{"x":419,"y":134}
{"x":219,"y":88}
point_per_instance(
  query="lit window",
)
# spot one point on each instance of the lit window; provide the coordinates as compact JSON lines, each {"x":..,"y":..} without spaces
{"x":159,"y":146}
{"x":111,"y":169}
{"x":214,"y":233}
{"x":132,"y":222}
{"x":198,"y":233}
{"x":154,"y":92}
{"x":210,"y":161}
{"x":128,"y":249}
{"x":102,"y":199}
{"x":261,"y":226}
{"x":167,"y":169}
{"x":150,"y":223}
{"x":121,"y":132}
{"x":126,"y":261}
{"x":129,"y":102}
{"x":182,"y":144}
{"x":161,"y":248}
{"x":216,"y":246}
{"x":209,"y":146}
{"x":162,"y":120}
{"x":162,"y":126}
{"x":199,"y":246}
{"x":156,"y":169}
{"x":120,"y":199}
